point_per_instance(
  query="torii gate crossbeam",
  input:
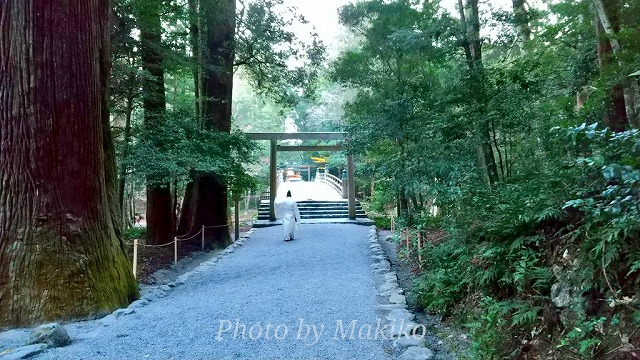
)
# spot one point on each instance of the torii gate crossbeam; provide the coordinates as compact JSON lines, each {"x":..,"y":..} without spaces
{"x":274,"y":147}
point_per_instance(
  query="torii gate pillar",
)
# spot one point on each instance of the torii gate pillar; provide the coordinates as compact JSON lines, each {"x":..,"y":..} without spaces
{"x":273,"y":183}
{"x":351,"y":187}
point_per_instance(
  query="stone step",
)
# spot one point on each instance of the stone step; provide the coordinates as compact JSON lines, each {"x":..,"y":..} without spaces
{"x":344,"y":208}
{"x":326,"y":216}
{"x":314,"y":202}
{"x":308,"y":204}
{"x":312,"y":209}
{"x":320,"y":211}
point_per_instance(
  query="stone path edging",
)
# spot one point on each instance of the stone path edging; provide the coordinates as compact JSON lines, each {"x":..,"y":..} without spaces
{"x":407,"y":335}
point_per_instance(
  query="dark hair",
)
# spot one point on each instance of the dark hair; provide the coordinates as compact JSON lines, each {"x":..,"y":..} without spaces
{"x":289,"y":193}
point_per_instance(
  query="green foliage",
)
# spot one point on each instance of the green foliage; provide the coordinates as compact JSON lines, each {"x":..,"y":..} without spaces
{"x":492,"y":327}
{"x":611,"y":229}
{"x":562,"y":210}
{"x":179,"y":147}
{"x":445,"y":279}
{"x":266,"y":46}
{"x":381,"y":196}
{"x":134,"y":233}
{"x":382,"y":222}
{"x":582,"y":336}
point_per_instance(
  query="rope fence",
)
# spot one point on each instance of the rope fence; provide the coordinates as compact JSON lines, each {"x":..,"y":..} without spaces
{"x":175,"y":242}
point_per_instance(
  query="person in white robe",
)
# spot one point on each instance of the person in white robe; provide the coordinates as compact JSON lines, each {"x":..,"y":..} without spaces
{"x":287,"y":209}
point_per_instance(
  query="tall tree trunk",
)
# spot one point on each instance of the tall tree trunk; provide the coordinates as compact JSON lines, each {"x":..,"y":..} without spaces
{"x":521,"y":20}
{"x":209,"y":205}
{"x":470,"y":19}
{"x":111,"y":169}
{"x":160,"y":216}
{"x":122,"y":181}
{"x":132,"y":201}
{"x":184,"y":221}
{"x":622,"y":107}
{"x":465,"y":39}
{"x":60,"y":256}
{"x":194,"y":37}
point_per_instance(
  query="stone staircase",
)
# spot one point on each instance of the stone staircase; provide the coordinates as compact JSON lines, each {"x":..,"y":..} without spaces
{"x":313,"y":209}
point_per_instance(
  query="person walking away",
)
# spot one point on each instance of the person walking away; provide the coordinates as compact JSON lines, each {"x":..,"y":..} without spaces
{"x":290,"y":217}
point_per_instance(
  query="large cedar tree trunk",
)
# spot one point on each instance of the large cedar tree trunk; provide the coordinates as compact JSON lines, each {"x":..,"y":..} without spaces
{"x":122,"y":177}
{"x":60,"y":256}
{"x":184,"y":222}
{"x":209,"y":205}
{"x":160,"y":210}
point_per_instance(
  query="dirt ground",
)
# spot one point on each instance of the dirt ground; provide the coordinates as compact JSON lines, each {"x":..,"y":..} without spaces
{"x":152,"y":259}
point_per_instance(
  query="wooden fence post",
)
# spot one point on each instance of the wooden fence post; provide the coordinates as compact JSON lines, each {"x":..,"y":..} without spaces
{"x":202,"y":242}
{"x":406,"y":233}
{"x":135,"y":258}
{"x":236,"y":201}
{"x":175,"y":251}
{"x":420,"y":249}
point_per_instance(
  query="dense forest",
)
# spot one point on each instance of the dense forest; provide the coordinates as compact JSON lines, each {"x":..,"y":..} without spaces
{"x":502,"y":141}
{"x":509,"y":139}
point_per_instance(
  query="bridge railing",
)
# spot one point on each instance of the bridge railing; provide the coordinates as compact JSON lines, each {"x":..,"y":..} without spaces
{"x":333,"y":181}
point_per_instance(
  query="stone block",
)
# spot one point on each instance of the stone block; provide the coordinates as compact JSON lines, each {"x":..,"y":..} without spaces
{"x":417,"y":353}
{"x":52,"y":334}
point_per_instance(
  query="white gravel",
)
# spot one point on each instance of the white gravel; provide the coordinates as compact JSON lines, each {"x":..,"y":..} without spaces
{"x":322,"y":280}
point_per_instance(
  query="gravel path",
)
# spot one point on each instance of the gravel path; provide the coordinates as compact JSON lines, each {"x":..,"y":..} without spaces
{"x":293,"y":299}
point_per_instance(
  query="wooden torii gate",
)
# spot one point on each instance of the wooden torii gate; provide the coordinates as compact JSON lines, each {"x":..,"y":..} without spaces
{"x":274,"y":148}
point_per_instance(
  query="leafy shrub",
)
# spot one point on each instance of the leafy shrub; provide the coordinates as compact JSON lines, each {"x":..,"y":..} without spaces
{"x":576,"y":223}
{"x":445,"y":279}
{"x":135,"y":233}
{"x":382,"y":222}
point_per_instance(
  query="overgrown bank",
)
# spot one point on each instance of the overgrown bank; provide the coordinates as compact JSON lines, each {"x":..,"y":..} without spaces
{"x":547,"y":267}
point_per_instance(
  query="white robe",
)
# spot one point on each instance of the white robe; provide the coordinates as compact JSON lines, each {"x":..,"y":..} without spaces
{"x":287,"y":209}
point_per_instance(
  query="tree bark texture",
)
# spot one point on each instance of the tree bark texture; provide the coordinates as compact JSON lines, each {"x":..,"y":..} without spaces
{"x":470,"y":17}
{"x":122,"y":177}
{"x":60,"y":256}
{"x":185,"y":212}
{"x":194,"y":37}
{"x":219,"y":54}
{"x":184,"y":222}
{"x":622,"y":106}
{"x":521,"y":22}
{"x":209,"y":205}
{"x":160,"y":215}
